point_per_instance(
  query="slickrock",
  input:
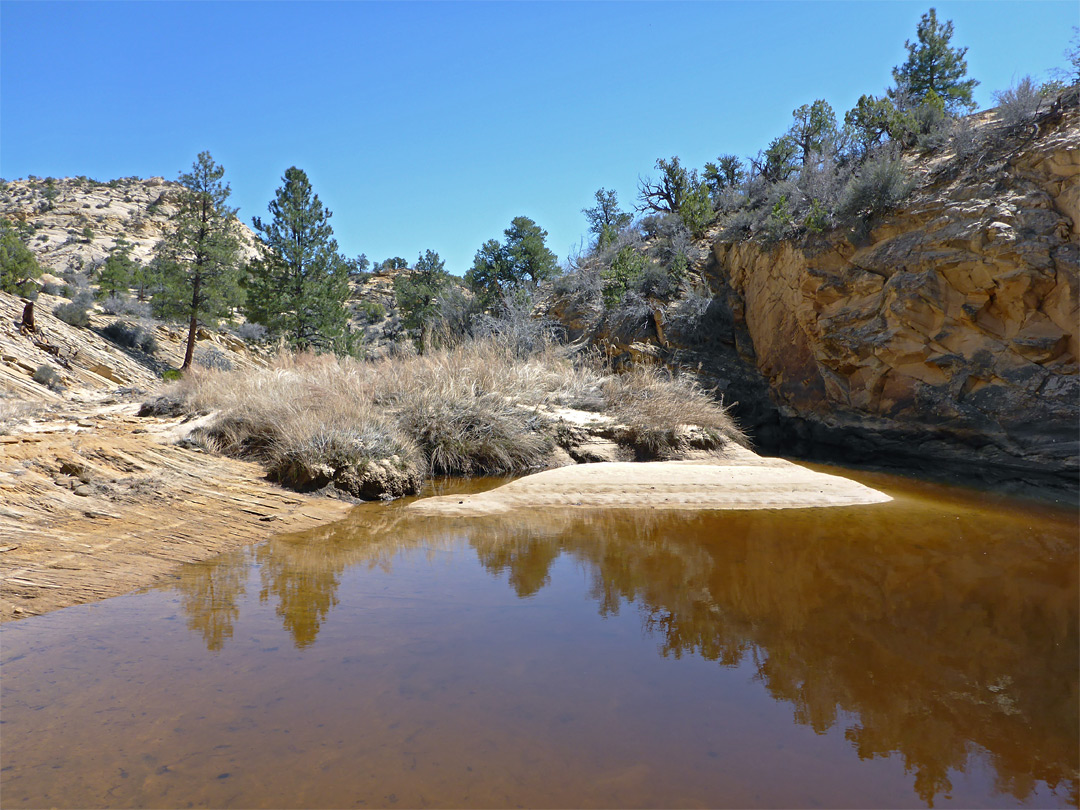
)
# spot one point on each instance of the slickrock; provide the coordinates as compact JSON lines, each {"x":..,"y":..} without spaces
{"x":951,"y":334}
{"x":944,"y":339}
{"x":94,"y":501}
{"x":88,"y":513}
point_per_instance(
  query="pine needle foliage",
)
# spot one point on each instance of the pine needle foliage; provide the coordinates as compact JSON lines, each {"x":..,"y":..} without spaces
{"x":299,"y":284}
{"x":198,"y":260}
{"x":933,"y":66}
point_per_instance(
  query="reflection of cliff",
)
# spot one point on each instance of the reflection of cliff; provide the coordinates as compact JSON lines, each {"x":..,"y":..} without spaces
{"x":942,"y":633}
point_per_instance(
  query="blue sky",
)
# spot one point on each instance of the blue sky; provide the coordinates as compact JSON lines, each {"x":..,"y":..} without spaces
{"x":430,"y":125}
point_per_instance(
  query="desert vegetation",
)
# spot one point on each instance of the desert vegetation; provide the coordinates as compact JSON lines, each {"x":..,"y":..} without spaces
{"x":375,"y":429}
{"x":825,"y":173}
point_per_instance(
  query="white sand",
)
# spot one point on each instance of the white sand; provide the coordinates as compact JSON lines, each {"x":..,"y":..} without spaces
{"x":738,"y":480}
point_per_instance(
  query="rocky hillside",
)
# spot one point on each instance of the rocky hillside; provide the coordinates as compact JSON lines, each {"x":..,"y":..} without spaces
{"x":946,"y":338}
{"x":71,"y":224}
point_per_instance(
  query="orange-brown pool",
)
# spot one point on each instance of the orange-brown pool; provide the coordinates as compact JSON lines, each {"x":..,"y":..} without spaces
{"x":916,"y":653}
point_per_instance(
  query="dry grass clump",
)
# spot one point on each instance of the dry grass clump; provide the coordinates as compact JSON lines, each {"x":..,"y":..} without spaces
{"x":470,"y":435}
{"x":375,"y":428}
{"x":657,"y":408}
{"x":14,"y":411}
{"x":473,"y":408}
{"x":310,"y":420}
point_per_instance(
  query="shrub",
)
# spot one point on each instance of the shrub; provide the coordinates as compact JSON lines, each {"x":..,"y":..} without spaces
{"x":462,"y":433}
{"x":213,"y":358}
{"x":1019,"y":103}
{"x":584,"y":283}
{"x":696,"y":211}
{"x":453,"y":321}
{"x":818,"y":219}
{"x":74,"y":313}
{"x":879,"y":186}
{"x":122,"y":305}
{"x":655,"y":281}
{"x":686,"y":319}
{"x":660,"y":226}
{"x":251,"y":332}
{"x":740,"y":225}
{"x":780,"y":223}
{"x":514,"y":328}
{"x":657,"y":407}
{"x":130,"y":337}
{"x":625,"y":268}
{"x":52,"y":288}
{"x":372,"y":311}
{"x":965,"y":138}
{"x":48,"y":376}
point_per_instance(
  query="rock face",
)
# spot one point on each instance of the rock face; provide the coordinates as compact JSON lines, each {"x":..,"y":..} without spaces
{"x":944,"y":339}
{"x":86,"y":358}
{"x":950,"y":337}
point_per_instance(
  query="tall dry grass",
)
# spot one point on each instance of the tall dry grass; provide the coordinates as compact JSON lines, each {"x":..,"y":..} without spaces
{"x":477,"y":408}
{"x":656,"y":407}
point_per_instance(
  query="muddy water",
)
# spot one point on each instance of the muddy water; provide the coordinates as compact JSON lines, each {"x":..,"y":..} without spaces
{"x":920,"y":652}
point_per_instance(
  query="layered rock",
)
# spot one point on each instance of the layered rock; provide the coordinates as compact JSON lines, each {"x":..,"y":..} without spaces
{"x":73,"y":223}
{"x":944,"y":338}
{"x":950,"y":335}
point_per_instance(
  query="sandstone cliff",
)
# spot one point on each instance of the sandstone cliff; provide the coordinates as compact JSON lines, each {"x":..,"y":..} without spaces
{"x":945,"y":339}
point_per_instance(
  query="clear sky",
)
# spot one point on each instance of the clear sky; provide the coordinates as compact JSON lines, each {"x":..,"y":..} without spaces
{"x":430,"y":125}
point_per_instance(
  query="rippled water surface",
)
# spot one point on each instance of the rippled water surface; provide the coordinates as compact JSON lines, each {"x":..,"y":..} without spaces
{"x":917,"y":653}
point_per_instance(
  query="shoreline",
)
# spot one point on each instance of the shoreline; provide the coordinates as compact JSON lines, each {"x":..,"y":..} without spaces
{"x":97,"y":502}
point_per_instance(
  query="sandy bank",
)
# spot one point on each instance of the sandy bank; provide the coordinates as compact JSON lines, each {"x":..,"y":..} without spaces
{"x":737,"y":480}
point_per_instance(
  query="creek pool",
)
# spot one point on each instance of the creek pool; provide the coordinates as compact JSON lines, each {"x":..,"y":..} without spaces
{"x":917,"y":653}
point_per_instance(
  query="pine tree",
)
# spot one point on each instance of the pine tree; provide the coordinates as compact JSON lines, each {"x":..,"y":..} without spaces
{"x":198,"y":261}
{"x":18,"y":267}
{"x":934,"y":67}
{"x":299,"y":284}
{"x":417,"y":294}
{"x":606,"y":219}
{"x":813,"y":125}
{"x":518,"y":264}
{"x":118,"y":272}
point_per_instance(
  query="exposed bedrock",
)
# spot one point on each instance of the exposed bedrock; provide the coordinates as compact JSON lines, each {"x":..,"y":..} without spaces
{"x":944,"y":340}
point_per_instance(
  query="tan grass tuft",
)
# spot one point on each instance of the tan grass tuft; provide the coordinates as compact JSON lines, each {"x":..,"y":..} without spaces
{"x":473,"y":409}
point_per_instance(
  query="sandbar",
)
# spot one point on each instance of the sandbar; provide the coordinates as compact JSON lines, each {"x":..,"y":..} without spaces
{"x":738,"y":479}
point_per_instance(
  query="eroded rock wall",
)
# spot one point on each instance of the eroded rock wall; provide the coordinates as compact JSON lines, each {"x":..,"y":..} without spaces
{"x":949,"y":335}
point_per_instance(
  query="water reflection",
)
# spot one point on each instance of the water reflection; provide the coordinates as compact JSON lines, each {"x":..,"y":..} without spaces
{"x":928,"y":629}
{"x":210,"y":594}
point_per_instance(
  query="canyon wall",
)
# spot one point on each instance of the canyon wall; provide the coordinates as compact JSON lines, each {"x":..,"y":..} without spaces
{"x":941,"y":337}
{"x":948,"y":334}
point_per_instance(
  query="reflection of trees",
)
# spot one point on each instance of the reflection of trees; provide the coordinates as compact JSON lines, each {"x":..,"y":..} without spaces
{"x":304,"y":594}
{"x":942,"y":634}
{"x":302,"y":570}
{"x":209,"y":592}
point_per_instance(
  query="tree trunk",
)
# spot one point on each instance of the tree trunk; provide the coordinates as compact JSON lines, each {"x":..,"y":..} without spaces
{"x":27,"y":324}
{"x":190,"y":353}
